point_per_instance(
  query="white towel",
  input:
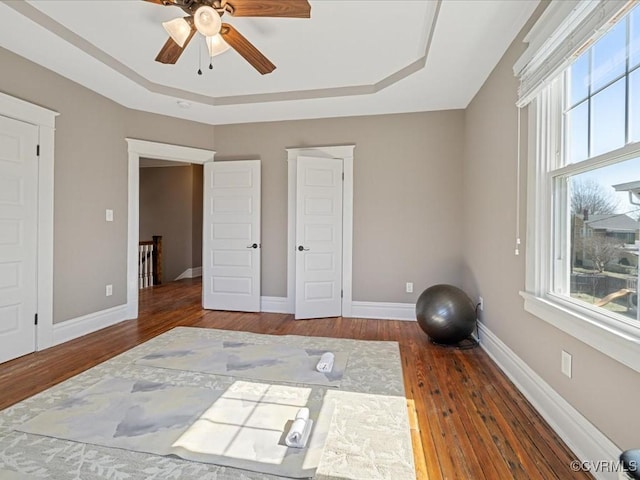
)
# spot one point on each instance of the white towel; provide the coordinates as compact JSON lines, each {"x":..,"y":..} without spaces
{"x":300,"y":429}
{"x":325,"y":364}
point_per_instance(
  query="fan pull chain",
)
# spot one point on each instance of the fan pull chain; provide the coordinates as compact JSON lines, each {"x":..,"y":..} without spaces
{"x":199,"y":59}
{"x":210,"y":56}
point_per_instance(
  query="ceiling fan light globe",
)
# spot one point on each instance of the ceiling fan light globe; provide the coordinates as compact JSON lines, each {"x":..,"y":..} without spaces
{"x":217,"y":45}
{"x":207,"y":20}
{"x":178,"y":29}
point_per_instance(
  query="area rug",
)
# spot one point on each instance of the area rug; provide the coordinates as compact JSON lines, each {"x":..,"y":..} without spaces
{"x":368,"y":437}
{"x":268,"y":362}
{"x":242,"y":427}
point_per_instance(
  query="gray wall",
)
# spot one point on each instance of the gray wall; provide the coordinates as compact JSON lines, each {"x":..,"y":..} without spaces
{"x":169,"y":207}
{"x":90,"y":176}
{"x":604,"y":391}
{"x":407,"y":198}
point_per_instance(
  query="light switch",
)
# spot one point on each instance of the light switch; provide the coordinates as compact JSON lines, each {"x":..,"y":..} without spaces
{"x":109,"y":215}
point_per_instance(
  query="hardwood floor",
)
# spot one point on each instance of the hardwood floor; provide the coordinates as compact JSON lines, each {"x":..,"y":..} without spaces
{"x":472,"y":423}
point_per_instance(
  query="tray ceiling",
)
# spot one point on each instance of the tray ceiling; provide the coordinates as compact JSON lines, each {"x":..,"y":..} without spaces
{"x":353,"y":57}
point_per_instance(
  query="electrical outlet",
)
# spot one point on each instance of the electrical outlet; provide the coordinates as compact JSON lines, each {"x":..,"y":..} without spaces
{"x":565,"y":366}
{"x":109,"y":290}
{"x":481,"y":304}
{"x":109,"y":215}
{"x":409,"y":287}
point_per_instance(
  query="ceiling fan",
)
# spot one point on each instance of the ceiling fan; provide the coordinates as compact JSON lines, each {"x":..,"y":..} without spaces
{"x":204,"y":16}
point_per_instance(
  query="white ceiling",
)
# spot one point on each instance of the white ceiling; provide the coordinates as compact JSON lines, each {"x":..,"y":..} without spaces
{"x":353,"y":57}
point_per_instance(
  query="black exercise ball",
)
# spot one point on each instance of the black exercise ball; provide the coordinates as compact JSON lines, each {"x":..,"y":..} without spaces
{"x":446,"y":314}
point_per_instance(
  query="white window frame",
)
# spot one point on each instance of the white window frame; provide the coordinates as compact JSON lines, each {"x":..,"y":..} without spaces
{"x":607,"y":333}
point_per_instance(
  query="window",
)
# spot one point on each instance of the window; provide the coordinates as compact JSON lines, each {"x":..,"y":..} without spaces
{"x":602,"y":263}
{"x":602,"y":93}
{"x":600,"y":268}
{"x":582,"y":262}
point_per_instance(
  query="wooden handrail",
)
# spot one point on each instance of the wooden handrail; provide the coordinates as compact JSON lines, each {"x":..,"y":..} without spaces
{"x":157,"y":259}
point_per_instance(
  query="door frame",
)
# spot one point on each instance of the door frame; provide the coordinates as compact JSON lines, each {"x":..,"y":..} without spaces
{"x":344,"y":152}
{"x":156,"y":150}
{"x":44,"y":119}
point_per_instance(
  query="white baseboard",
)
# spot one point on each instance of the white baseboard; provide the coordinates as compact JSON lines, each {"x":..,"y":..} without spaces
{"x":377,"y":310}
{"x":581,"y":436}
{"x":77,"y":327}
{"x":275,"y":305}
{"x":192,"y":272}
{"x":384,"y":311}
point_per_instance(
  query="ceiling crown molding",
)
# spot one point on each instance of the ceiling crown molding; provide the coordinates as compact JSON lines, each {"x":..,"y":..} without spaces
{"x":45,"y":21}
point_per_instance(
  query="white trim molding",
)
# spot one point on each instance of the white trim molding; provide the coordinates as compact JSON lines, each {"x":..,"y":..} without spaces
{"x":77,"y":327}
{"x":161,"y":151}
{"x":373,"y":310}
{"x":581,"y":436}
{"x":384,"y":311}
{"x":275,"y":305}
{"x":44,"y":119}
{"x":192,"y":272}
{"x":344,"y":152}
{"x":169,"y":152}
{"x":24,"y":111}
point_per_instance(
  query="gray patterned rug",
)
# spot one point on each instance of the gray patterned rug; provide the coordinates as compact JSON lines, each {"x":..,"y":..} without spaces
{"x":368,"y":437}
{"x":268,"y":362}
{"x":241,"y":427}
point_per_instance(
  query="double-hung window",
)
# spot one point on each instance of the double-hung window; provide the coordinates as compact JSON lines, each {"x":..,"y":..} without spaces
{"x":584,"y":192}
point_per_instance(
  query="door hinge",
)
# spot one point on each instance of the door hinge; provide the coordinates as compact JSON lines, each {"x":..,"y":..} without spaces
{"x":343,"y":176}
{"x":37,"y":150}
{"x":341,"y":293}
{"x":36,"y":319}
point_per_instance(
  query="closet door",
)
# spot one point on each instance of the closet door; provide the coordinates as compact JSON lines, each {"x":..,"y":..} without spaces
{"x":318,"y":238}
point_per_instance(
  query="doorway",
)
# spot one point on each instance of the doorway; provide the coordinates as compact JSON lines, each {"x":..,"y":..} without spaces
{"x":160,"y":151}
{"x":170,"y":221}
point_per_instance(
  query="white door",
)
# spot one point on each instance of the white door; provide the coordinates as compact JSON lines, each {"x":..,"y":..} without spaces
{"x":318,"y":238}
{"x":231,"y":244}
{"x":18,"y":237}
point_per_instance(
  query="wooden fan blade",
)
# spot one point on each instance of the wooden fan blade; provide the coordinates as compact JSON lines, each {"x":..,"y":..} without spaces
{"x":271,"y":8}
{"x":250,"y":53}
{"x":171,"y":51}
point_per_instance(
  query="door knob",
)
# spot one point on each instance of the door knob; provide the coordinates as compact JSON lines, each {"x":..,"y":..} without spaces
{"x":301,"y":248}
{"x":254,"y":245}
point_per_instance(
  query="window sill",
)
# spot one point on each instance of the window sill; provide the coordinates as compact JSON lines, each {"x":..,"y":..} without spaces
{"x":613,"y":338}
